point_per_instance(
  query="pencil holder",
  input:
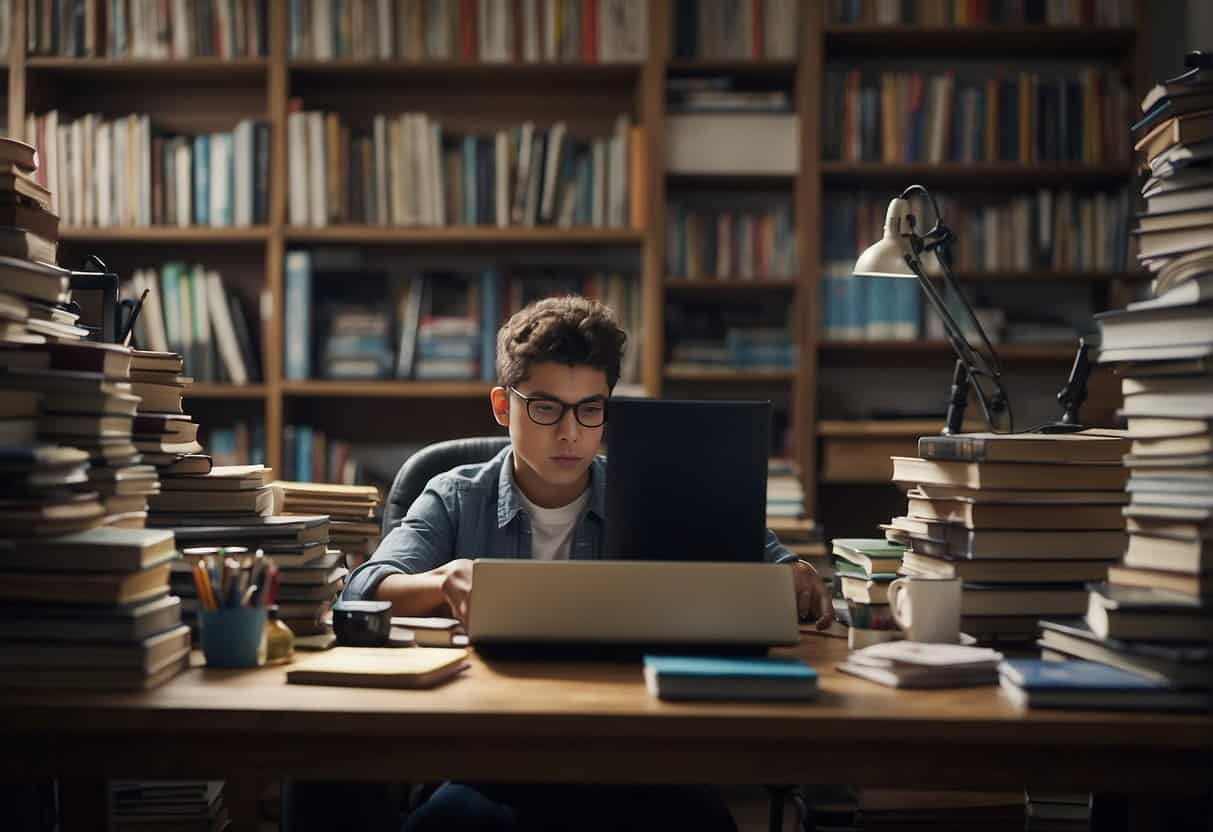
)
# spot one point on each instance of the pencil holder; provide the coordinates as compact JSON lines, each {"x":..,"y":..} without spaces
{"x":233,"y":637}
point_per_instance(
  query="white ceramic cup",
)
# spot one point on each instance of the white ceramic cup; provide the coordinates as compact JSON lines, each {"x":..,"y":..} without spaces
{"x":927,"y":609}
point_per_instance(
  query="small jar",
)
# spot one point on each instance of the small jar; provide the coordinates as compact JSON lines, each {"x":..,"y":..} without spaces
{"x":280,"y":641}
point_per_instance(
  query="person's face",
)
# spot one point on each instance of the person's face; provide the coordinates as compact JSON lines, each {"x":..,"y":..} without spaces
{"x":552,"y":460}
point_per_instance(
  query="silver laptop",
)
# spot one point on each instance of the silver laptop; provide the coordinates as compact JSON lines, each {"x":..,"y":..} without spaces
{"x":632,"y":603}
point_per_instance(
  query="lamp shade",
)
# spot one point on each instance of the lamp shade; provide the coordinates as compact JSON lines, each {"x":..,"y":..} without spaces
{"x":886,"y":257}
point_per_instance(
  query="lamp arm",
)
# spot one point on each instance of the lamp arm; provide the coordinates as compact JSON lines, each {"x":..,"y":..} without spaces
{"x":943,"y":255}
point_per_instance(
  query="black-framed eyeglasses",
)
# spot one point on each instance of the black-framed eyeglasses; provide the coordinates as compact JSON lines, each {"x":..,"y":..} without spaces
{"x":545,"y":410}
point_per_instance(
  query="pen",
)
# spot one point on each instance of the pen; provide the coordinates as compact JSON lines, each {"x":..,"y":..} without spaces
{"x":248,"y":595}
{"x":130,"y":325}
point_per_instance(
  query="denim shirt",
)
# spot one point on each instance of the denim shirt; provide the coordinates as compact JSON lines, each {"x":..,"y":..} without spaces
{"x":474,"y":511}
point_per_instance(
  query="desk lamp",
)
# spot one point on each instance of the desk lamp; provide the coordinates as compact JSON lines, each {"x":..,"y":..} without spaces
{"x":900,"y":253}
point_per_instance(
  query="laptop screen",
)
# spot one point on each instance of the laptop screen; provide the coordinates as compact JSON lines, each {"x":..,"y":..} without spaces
{"x":686,"y":480}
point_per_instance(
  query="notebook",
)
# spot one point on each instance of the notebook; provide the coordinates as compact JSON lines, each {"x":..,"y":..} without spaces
{"x":379,"y":667}
{"x":769,"y":678}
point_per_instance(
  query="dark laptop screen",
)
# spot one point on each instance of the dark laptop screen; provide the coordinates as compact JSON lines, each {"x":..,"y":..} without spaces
{"x":686,"y":480}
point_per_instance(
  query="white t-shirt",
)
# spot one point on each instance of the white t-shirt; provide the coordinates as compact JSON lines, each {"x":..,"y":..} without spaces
{"x":552,"y":528}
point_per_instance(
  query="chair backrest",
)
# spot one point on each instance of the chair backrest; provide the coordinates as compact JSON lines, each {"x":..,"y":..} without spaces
{"x":430,"y":461}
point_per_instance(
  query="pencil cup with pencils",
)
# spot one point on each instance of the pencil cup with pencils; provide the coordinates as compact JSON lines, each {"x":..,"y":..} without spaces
{"x":235,"y":594}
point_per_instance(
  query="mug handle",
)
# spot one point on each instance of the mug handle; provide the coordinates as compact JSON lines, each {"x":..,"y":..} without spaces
{"x":899,"y":605}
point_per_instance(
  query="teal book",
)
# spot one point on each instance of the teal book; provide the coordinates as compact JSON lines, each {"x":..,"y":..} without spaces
{"x":297,"y":328}
{"x":763,"y":678}
{"x":202,"y":180}
{"x":1036,"y":683}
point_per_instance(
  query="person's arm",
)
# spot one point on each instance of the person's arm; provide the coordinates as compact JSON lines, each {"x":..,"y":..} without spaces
{"x":411,"y":564}
{"x":812,"y":600}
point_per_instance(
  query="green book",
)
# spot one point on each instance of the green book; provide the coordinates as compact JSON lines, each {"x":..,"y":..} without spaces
{"x":873,"y":555}
{"x":851,"y":570}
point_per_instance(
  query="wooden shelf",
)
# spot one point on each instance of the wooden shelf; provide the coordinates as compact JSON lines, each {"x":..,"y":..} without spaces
{"x":756,"y":69}
{"x":753,"y":181}
{"x":451,"y":73}
{"x":145,"y":72}
{"x":974,"y":175}
{"x":862,"y":40}
{"x":164,"y":234}
{"x":711,"y":286}
{"x":465,"y":235}
{"x":1048,"y":276}
{"x":730,"y":375}
{"x":878,"y":427}
{"x":225,"y":391}
{"x":1006,"y":352}
{"x":387,"y":389}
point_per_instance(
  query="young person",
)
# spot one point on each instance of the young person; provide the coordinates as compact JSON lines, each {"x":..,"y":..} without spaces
{"x":543,"y":497}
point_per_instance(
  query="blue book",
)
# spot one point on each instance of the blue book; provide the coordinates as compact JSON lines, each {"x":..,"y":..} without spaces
{"x":298,"y":315}
{"x":202,"y":180}
{"x":766,"y":678}
{"x":490,"y":313}
{"x":1036,"y":683}
{"x":303,"y":453}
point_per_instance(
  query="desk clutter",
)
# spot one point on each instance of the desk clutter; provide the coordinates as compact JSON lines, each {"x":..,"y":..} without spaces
{"x":136,"y":806}
{"x":103,"y":480}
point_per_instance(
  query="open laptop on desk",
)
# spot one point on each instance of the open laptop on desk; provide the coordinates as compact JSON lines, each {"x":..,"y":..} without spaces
{"x":685,"y":534}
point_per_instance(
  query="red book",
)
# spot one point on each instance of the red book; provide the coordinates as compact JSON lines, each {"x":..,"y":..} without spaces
{"x":589,"y":31}
{"x":467,"y":30}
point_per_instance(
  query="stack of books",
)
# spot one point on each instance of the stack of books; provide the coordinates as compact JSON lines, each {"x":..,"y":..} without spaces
{"x":1057,"y":811}
{"x":353,"y":512}
{"x":164,"y":433}
{"x":28,"y":228}
{"x":1154,"y":616}
{"x":90,"y":609}
{"x":196,"y":806}
{"x":98,"y":418}
{"x":863,"y":570}
{"x":912,"y":664}
{"x":1025,"y":520}
{"x":1039,"y":683}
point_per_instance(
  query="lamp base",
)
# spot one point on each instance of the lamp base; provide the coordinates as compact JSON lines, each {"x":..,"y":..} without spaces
{"x":1059,"y":427}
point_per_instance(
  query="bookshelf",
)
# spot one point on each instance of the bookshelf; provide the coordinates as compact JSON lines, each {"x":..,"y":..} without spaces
{"x":208,"y":94}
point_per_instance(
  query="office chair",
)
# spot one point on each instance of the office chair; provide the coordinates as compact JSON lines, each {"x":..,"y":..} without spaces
{"x":428,"y":463}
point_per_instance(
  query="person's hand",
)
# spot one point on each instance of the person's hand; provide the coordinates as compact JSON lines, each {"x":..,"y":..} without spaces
{"x":457,"y":587}
{"x":812,"y":600}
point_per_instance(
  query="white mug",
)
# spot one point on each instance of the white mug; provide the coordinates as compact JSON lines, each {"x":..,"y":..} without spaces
{"x":927,"y":609}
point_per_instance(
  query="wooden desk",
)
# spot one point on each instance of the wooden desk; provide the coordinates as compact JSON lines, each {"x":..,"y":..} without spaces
{"x":594,"y":722}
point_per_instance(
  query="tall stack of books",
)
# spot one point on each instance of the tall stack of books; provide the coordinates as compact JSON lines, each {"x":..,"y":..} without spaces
{"x":165,"y":434}
{"x":1024,"y":520}
{"x":28,"y":228}
{"x":1154,"y":617}
{"x":99,"y":418}
{"x":863,"y":570}
{"x":353,"y":511}
{"x":183,"y":806}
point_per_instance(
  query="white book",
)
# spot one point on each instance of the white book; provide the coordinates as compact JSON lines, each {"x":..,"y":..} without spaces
{"x":119,"y":180}
{"x":242,"y":208}
{"x":618,"y":172}
{"x":218,"y":178}
{"x":736,"y":143}
{"x":298,"y":168}
{"x":504,"y":31}
{"x":531,"y":211}
{"x":183,"y":163}
{"x":551,"y":35}
{"x":422,"y":139}
{"x":501,"y":170}
{"x":395,"y":167}
{"x":525,"y":140}
{"x":153,"y":311}
{"x":322,"y":31}
{"x":556,"y":139}
{"x":224,"y":329}
{"x":103,"y":174}
{"x":63,"y":166}
{"x":530,"y":31}
{"x":223,"y":21}
{"x":145,"y":169}
{"x":185,"y":319}
{"x":317,"y":198}
{"x":79,"y":195}
{"x":381,"y":170}
{"x":386,"y":27}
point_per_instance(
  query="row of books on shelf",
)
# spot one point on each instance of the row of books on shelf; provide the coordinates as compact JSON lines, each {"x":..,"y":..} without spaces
{"x":1049,"y":230}
{"x":189,"y":310}
{"x":242,"y":443}
{"x":983,"y":12}
{"x":311,"y":455}
{"x":441,"y":326}
{"x":1025,"y":117}
{"x":742,"y":348}
{"x":410,"y":170}
{"x":148,"y":31}
{"x":729,"y":244}
{"x":125,"y":173}
{"x":746,"y":29}
{"x":531,"y":31}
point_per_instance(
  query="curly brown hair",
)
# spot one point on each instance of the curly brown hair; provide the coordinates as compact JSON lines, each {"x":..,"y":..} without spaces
{"x":568,"y":330}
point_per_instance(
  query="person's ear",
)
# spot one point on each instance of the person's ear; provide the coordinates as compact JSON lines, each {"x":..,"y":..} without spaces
{"x":499,"y":399}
